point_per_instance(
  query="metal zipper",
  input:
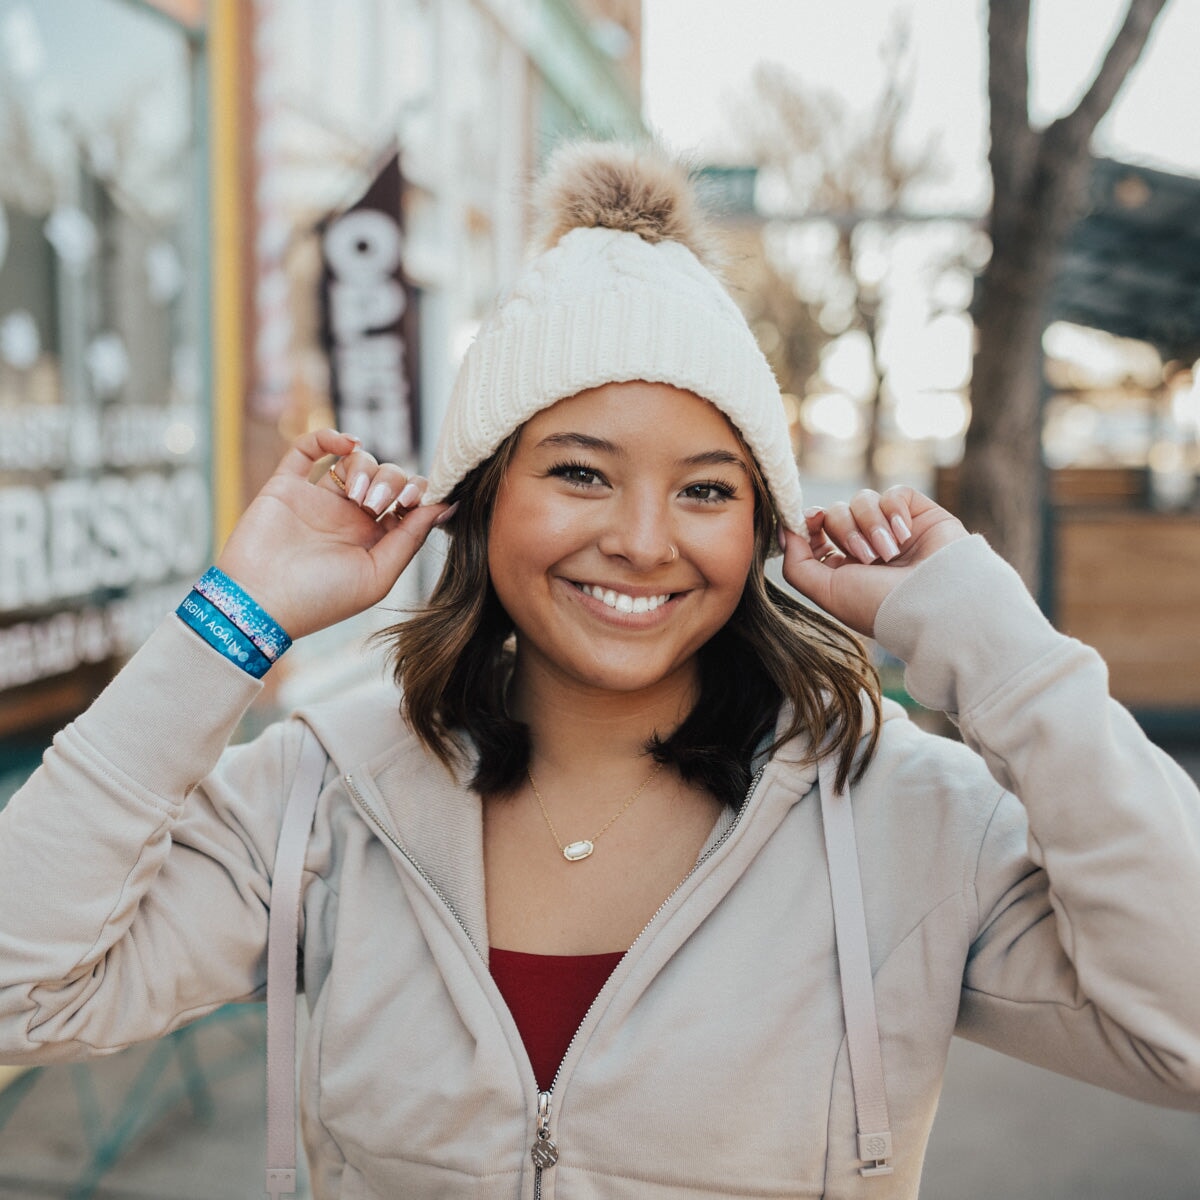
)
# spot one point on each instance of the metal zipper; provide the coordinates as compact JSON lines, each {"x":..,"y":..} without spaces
{"x":544,"y":1152}
{"x":416,"y":866}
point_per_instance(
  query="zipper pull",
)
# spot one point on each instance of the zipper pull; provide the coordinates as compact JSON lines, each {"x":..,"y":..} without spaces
{"x":544,"y":1152}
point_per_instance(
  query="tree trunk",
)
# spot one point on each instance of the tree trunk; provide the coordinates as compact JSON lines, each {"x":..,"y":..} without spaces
{"x":1038,"y":179}
{"x":1002,"y":485}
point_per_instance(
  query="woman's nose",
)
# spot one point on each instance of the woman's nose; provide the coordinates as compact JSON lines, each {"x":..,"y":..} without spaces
{"x":639,"y":530}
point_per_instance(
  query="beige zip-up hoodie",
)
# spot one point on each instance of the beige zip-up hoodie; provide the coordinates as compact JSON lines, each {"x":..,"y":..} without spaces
{"x":1063,"y":928}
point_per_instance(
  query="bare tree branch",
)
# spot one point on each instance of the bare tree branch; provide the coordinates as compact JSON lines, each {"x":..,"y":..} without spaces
{"x":855,"y":168}
{"x":1076,"y":127}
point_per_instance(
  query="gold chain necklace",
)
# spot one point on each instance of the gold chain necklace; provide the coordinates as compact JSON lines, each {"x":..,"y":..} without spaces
{"x":578,"y":851}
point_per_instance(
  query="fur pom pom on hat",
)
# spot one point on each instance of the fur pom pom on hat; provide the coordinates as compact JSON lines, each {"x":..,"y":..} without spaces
{"x":623,"y":288}
{"x":609,"y":185}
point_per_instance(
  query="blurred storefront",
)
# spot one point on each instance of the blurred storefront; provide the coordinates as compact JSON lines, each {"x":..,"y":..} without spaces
{"x":220,"y":224}
{"x":105,"y":485}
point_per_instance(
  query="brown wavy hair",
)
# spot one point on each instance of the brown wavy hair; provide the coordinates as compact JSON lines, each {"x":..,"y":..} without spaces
{"x":453,"y":659}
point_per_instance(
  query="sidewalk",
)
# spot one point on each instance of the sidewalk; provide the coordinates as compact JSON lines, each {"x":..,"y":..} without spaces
{"x":1009,"y":1131}
{"x":206,"y":1146}
{"x":1005,"y":1131}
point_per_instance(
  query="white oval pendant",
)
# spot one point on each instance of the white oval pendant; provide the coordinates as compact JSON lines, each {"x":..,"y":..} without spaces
{"x":575,"y":851}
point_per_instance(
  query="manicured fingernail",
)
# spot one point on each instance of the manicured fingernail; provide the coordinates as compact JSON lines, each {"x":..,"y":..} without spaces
{"x":377,"y":497}
{"x":447,"y":514}
{"x":860,"y":548}
{"x":903,"y":533}
{"x":409,"y":495}
{"x":885,"y":544}
{"x":815,"y":511}
{"x":783,"y":539}
{"x":358,"y":486}
{"x":356,"y":440}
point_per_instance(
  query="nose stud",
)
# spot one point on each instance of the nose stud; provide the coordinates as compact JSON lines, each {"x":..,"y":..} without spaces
{"x":674,"y":552}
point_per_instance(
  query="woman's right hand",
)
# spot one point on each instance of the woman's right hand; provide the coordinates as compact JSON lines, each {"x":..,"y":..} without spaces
{"x":313,"y":555}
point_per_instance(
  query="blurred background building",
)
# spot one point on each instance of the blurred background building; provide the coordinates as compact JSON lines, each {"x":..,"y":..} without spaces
{"x":221,"y":224}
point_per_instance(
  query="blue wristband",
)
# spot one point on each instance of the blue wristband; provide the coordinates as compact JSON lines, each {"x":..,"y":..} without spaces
{"x":253,"y":620}
{"x":220,"y":632}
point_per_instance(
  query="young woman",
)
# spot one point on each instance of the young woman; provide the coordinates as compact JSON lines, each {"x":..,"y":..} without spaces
{"x":568,"y":927}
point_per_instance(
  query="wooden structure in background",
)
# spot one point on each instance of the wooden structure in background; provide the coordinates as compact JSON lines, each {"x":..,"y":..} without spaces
{"x":1128,"y":583}
{"x":1126,"y":580}
{"x":1121,"y":576}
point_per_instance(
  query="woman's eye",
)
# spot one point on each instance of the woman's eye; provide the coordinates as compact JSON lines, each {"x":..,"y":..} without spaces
{"x":577,"y":474}
{"x":708,"y":493}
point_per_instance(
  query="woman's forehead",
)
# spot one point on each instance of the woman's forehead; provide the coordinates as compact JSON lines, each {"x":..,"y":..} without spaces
{"x":617,"y":417}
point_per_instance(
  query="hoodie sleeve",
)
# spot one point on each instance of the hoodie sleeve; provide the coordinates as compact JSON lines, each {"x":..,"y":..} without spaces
{"x":136,"y":860}
{"x":1085,"y":955}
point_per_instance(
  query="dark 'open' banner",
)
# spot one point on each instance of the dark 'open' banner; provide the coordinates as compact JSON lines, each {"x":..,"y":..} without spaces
{"x":370,"y":320}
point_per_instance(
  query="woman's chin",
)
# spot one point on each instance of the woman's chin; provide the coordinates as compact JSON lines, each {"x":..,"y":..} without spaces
{"x":617,"y":675}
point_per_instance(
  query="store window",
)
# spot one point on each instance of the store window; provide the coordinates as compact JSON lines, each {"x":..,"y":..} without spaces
{"x":104,"y":473}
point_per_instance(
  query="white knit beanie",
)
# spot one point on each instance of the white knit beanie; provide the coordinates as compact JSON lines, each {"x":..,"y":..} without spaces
{"x":621,"y":293}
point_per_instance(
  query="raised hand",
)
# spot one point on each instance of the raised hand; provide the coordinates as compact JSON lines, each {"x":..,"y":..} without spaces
{"x":860,"y":551}
{"x":313,"y":555}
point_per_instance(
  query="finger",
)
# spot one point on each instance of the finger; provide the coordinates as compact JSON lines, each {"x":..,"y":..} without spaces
{"x":842,"y":528}
{"x":410,"y":494}
{"x":828,"y":555}
{"x":804,"y":569}
{"x":823,"y":550}
{"x":397,"y":548}
{"x":358,"y":469}
{"x":868,"y":515}
{"x":896,"y":506}
{"x":815,"y":549}
{"x":309,"y":448}
{"x":332,"y":479}
{"x":350,"y":474}
{"x":384,"y":485}
{"x":814,"y":520}
{"x":408,"y":501}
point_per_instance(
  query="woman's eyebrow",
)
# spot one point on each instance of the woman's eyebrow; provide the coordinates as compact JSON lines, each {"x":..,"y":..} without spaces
{"x":715,"y":458}
{"x":580,"y":441}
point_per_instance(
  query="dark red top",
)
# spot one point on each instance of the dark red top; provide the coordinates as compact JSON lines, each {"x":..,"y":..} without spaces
{"x":548,"y":996}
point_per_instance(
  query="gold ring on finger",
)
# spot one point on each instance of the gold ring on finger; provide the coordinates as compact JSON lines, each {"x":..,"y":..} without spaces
{"x":336,"y":477}
{"x":828,"y":554}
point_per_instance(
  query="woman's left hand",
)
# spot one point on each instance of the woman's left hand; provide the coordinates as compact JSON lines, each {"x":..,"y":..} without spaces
{"x":860,"y":551}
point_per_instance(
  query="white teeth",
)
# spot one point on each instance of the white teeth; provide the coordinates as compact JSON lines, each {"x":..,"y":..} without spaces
{"x":622,"y":602}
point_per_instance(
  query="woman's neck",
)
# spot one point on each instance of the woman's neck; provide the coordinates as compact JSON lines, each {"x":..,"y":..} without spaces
{"x":575,"y":729}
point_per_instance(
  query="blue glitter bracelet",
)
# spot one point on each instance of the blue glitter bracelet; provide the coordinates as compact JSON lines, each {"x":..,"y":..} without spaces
{"x":222,"y":634}
{"x":253,"y":620}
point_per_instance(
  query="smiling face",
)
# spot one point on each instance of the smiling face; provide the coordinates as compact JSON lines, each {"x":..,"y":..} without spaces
{"x":622,"y":536}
